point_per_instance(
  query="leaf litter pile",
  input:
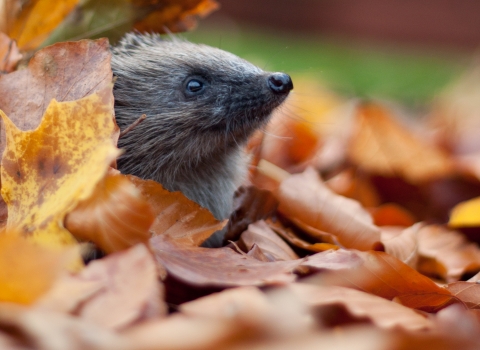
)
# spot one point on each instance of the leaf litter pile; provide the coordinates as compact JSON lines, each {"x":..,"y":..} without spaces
{"x":357,"y":228}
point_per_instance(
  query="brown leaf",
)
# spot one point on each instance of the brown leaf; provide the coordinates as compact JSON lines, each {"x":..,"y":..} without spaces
{"x":177,"y":216}
{"x":250,"y":205}
{"x":261,"y":235}
{"x":113,"y":292}
{"x":65,"y":72}
{"x":9,"y":54}
{"x":306,"y":201}
{"x":402,"y":243}
{"x":220,"y":267}
{"x":467,"y":292}
{"x":446,"y":253}
{"x":292,"y":238}
{"x":383,"y":313}
{"x":381,"y":274}
{"x":30,"y":328}
{"x":114,"y":217}
{"x":183,"y":332}
{"x":380,"y":145}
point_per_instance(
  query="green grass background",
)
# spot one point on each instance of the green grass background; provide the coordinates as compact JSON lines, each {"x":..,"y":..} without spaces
{"x":410,"y":76}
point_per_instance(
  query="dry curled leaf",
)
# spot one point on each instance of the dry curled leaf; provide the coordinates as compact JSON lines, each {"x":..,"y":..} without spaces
{"x":446,"y":253}
{"x":220,"y":267}
{"x":307,"y":201}
{"x":402,"y":243}
{"x":46,"y":172}
{"x":114,"y":217}
{"x":176,"y":216}
{"x":272,"y":246}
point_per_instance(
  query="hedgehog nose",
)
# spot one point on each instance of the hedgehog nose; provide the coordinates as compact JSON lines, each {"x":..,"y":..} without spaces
{"x":280,"y":83}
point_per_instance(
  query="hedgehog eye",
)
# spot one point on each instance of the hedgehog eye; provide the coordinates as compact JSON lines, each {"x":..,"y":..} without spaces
{"x":194,"y":86}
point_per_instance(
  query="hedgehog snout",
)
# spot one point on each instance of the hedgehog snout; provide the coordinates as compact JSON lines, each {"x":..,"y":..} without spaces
{"x":280,"y":83}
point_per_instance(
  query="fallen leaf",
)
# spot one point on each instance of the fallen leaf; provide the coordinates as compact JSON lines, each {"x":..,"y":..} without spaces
{"x":46,"y":172}
{"x":271,"y":245}
{"x":380,"y":145}
{"x":292,"y":238}
{"x":446,"y":253}
{"x":250,"y":205}
{"x":27,"y":271}
{"x":9,"y":54}
{"x":39,"y":329}
{"x":391,"y":214}
{"x":183,"y":332}
{"x":466,"y":214}
{"x":176,"y":216}
{"x":383,"y":313}
{"x":176,"y":16}
{"x":64,"y":72}
{"x":114,"y":18}
{"x":131,"y":289}
{"x":36,"y":20}
{"x":349,"y":183}
{"x":467,"y":292}
{"x":402,"y":243}
{"x":381,"y":274}
{"x":306,"y":201}
{"x":220,"y":267}
{"x":114,"y":217}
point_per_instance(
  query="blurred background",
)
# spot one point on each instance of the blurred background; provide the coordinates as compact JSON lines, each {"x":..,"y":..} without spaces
{"x":404,"y":50}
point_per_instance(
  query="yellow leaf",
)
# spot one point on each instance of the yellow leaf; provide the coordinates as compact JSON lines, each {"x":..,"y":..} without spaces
{"x":466,"y":214}
{"x":47,"y":171}
{"x":27,"y":270}
{"x":37,"y":20}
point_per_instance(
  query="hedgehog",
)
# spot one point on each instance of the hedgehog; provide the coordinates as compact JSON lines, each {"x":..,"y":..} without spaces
{"x":201,"y":104}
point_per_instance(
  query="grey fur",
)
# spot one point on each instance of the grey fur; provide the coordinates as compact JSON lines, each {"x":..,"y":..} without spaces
{"x":193,"y":145}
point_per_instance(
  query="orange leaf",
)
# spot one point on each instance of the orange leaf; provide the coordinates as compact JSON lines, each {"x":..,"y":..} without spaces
{"x":9,"y":54}
{"x":177,"y":216}
{"x":27,"y":271}
{"x":307,"y":201}
{"x":391,"y":214}
{"x":37,"y":19}
{"x":114,"y":217}
{"x":383,"y":275}
{"x":380,"y":145}
{"x":177,"y":16}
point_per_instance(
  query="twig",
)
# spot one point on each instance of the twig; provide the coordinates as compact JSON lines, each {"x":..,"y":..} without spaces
{"x":133,"y":125}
